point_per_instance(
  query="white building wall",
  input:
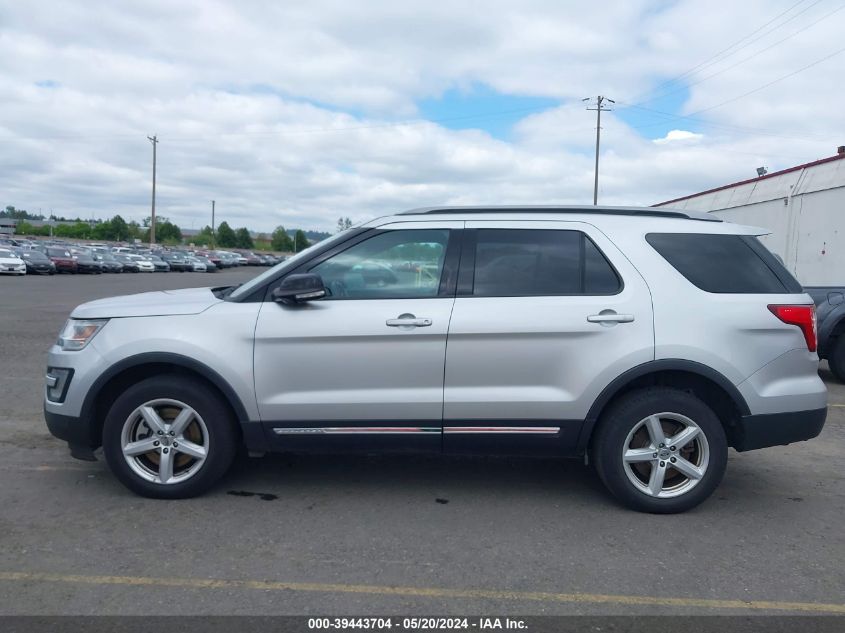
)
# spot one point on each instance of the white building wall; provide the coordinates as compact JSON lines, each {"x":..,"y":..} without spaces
{"x":804,"y":210}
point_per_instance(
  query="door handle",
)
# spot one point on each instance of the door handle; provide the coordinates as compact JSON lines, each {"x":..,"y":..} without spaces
{"x":611,"y":317}
{"x":408,"y":320}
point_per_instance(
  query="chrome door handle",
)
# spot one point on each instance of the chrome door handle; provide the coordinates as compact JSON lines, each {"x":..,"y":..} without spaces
{"x":610,"y":318}
{"x":408,"y":320}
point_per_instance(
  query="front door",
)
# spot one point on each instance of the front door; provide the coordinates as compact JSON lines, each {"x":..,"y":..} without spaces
{"x":547,"y":314}
{"x":362,"y":368}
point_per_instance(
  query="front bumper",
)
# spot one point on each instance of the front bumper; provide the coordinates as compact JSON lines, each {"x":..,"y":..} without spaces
{"x":65,"y":416}
{"x":81,"y":438}
{"x":776,"y":429}
{"x":41,"y":269}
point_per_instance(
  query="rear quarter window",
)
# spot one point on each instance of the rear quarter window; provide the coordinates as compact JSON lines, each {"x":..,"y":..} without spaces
{"x":725,"y":264}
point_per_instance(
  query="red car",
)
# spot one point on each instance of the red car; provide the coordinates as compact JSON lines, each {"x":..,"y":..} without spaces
{"x":65,"y":263}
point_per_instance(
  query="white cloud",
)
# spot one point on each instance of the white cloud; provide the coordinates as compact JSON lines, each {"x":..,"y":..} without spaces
{"x":286,"y":113}
{"x":676,"y":136}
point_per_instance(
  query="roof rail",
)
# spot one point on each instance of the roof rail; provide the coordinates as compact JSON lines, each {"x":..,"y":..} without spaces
{"x":565,"y":209}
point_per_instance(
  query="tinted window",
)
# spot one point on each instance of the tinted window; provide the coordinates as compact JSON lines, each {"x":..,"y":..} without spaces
{"x":528,"y":262}
{"x":724,"y":263}
{"x":392,"y":264}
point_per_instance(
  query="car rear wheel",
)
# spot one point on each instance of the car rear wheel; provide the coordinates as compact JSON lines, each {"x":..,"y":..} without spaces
{"x":169,"y":437}
{"x":836,"y":358}
{"x":660,"y":450}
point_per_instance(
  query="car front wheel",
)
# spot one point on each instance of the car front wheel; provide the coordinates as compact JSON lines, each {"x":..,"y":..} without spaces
{"x":169,"y":437}
{"x":660,"y":450}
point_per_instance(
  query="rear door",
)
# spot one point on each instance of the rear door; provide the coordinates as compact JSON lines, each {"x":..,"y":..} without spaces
{"x":545,"y":317}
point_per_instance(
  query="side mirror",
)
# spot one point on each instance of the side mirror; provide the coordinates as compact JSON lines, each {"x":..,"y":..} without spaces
{"x":299,"y":288}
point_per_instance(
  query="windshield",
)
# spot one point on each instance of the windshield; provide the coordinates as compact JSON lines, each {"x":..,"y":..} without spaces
{"x":244,"y":289}
{"x":34,"y":255}
{"x":57,"y":252}
{"x":6,"y":254}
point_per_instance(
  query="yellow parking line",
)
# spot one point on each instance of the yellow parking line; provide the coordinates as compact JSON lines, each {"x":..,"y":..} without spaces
{"x":45,"y":468}
{"x":425,"y":592}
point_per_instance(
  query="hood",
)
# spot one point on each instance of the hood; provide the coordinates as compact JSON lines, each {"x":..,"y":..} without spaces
{"x":10,"y":260}
{"x":159,"y":303}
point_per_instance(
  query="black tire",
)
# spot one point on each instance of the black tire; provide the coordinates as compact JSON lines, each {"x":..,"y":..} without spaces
{"x":222,"y":441}
{"x":626,"y":413}
{"x":836,"y":358}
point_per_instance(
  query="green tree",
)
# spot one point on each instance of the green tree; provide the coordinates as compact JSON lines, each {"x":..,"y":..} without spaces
{"x":343,"y":224}
{"x":102,"y":231}
{"x":242,"y":238}
{"x":160,"y":219}
{"x":79,"y":230}
{"x":134,"y":230}
{"x":300,"y":241}
{"x":19,"y":214}
{"x":119,"y":229}
{"x":24,"y":228}
{"x":203,"y":238}
{"x":226,"y":236}
{"x":166,"y":232}
{"x":280,"y":241}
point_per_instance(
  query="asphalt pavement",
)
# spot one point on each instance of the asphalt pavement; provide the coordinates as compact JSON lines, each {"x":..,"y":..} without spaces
{"x":391,"y":535}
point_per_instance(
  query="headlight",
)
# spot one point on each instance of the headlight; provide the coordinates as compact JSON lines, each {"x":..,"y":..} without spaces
{"x":78,"y":332}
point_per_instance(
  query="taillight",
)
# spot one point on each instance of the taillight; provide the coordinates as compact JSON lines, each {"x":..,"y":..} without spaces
{"x":804,"y":316}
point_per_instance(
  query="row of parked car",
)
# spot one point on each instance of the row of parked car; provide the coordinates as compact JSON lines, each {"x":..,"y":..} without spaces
{"x":21,"y":256}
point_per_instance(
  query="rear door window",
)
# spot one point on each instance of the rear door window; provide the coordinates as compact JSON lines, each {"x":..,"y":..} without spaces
{"x":532,"y":262}
{"x":726,"y":264}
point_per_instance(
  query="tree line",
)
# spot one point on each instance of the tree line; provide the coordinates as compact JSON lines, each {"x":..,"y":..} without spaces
{"x":119,"y":230}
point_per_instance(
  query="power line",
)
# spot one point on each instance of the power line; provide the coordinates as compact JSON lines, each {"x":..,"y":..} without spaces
{"x":708,"y":123}
{"x":771,"y":83}
{"x":746,"y":59}
{"x":721,"y":54}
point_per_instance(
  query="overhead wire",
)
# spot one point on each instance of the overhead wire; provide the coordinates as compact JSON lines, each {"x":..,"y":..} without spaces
{"x":721,"y":54}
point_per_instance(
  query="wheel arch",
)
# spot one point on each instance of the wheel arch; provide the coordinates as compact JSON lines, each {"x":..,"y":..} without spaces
{"x":111,"y":383}
{"x":703,"y":381}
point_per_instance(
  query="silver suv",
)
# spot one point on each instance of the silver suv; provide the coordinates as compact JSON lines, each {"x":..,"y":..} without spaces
{"x":646,"y":341}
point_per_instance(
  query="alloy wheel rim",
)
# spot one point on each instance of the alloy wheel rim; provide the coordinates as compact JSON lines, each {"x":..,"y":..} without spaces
{"x":164,"y":441}
{"x":665,"y":455}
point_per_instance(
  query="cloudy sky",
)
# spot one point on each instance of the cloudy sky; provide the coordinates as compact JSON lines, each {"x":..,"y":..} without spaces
{"x":296,"y":113}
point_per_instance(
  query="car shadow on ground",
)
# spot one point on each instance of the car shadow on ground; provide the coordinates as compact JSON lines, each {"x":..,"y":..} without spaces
{"x":411,"y":473}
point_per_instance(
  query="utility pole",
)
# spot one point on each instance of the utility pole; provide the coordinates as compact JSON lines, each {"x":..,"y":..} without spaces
{"x":599,"y":107}
{"x":154,"y":140}
{"x":212,"y":225}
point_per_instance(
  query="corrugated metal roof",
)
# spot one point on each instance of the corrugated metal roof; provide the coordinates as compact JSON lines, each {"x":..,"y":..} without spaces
{"x":818,"y":175}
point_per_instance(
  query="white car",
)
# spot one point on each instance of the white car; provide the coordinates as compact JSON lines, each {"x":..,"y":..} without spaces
{"x":11,"y":264}
{"x":144,"y":264}
{"x":199,"y":266}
